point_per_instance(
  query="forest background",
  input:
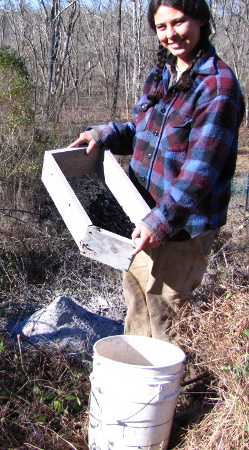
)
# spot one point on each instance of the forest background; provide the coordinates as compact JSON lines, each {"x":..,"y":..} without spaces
{"x":65,"y":65}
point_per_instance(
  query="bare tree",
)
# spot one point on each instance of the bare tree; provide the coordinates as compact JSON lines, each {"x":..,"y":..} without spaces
{"x":232,"y":30}
{"x":97,"y":52}
{"x":117,"y":50}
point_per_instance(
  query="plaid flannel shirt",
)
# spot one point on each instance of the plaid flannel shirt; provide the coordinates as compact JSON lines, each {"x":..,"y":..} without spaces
{"x":184,"y":148}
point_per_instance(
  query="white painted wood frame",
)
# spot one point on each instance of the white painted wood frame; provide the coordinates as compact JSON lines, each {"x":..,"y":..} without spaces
{"x":94,"y":242}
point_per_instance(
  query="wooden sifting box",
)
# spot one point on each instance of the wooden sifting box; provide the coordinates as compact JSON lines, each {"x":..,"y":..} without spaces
{"x":94,"y":242}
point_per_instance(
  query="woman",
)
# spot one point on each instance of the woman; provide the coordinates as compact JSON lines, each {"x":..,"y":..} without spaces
{"x":184,"y":146}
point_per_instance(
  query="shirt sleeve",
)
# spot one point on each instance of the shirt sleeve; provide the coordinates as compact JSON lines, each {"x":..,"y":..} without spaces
{"x":116,"y":136}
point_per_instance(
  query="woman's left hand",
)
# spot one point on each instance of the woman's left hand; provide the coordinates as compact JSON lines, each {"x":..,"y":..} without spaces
{"x":144,"y":238}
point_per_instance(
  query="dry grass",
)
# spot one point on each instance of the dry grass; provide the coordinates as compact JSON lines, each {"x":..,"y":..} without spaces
{"x":44,"y":394}
{"x":217,"y":341}
{"x":44,"y":398}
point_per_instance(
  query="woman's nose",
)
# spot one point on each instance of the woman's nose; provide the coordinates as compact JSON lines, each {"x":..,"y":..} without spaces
{"x":170,"y":32}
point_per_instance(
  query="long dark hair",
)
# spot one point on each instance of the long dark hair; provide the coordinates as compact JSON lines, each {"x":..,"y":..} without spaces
{"x":198,"y":10}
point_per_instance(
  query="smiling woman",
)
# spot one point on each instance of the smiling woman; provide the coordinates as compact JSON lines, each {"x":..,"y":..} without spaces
{"x":191,"y":21}
{"x":184,"y":147}
{"x":179,"y":33}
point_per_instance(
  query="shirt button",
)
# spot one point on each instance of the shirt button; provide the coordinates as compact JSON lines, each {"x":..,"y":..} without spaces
{"x":149,"y":155}
{"x":144,"y":106}
{"x":156,"y":133}
{"x":163,"y":110}
{"x":142,"y":178}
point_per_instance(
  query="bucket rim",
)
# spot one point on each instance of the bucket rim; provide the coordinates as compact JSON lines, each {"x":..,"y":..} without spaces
{"x":147,"y":368}
{"x":181,"y":353}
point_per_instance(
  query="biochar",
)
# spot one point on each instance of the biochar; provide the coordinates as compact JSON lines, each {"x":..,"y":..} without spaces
{"x":100,"y":205}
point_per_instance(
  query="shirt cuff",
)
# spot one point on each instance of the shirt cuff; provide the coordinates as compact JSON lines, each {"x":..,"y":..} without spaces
{"x":158,"y":224}
{"x":103,"y":134}
{"x":95,"y":136}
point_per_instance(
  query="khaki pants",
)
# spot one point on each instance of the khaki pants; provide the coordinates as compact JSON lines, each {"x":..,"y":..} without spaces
{"x":160,"y":282}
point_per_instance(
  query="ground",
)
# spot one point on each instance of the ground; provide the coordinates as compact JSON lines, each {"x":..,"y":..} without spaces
{"x":36,"y":267}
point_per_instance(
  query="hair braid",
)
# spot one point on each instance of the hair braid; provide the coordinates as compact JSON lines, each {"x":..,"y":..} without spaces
{"x":162,"y":55}
{"x":185,"y":81}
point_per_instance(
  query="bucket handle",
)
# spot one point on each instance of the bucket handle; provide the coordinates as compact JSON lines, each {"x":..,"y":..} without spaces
{"x":141,"y":409}
{"x":120,"y":421}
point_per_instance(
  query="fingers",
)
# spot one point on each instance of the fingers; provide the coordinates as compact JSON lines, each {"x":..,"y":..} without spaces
{"x":144,"y":238}
{"x":85,"y":138}
{"x":139,"y":246}
{"x":136,"y":237}
{"x":91,"y":146}
{"x":74,"y":144}
{"x":136,"y":233}
{"x":80,"y":141}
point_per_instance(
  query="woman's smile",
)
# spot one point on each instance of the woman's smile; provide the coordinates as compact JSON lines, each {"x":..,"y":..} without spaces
{"x":176,"y":44}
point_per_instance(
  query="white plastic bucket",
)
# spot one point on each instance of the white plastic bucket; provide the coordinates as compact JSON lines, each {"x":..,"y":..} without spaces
{"x":134,"y":388}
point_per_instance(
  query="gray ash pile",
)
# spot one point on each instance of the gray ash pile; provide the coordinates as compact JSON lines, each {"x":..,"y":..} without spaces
{"x":100,"y":205}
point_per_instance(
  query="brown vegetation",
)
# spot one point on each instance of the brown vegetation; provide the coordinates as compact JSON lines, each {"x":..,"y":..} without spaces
{"x":44,"y":392}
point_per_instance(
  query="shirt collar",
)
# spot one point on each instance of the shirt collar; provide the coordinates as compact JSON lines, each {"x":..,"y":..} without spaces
{"x":205,"y":65}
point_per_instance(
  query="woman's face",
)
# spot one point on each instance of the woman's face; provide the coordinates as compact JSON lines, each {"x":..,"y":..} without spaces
{"x":179,"y":33}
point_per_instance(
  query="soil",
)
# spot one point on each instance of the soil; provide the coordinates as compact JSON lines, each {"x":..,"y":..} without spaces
{"x":100,"y":205}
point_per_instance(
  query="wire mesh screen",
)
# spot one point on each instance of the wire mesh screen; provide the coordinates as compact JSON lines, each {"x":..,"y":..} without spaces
{"x":240,"y":192}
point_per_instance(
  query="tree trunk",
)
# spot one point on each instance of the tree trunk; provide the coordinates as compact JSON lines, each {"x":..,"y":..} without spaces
{"x":117,"y":60}
{"x":247,"y":113}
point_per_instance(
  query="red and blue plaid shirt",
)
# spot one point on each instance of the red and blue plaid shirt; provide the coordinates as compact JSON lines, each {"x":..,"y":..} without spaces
{"x":184,"y":148}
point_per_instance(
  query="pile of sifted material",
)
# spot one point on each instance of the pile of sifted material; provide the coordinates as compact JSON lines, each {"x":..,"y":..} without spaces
{"x":67,"y":324}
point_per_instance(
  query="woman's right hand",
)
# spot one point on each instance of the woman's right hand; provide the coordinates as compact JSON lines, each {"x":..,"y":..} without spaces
{"x":85,"y":138}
